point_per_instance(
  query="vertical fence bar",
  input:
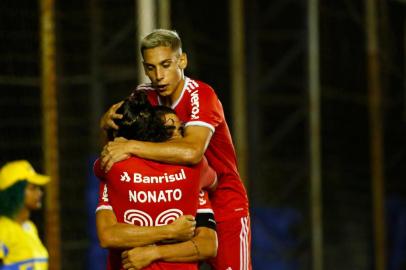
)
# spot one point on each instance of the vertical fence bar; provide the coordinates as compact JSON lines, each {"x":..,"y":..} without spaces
{"x":164,"y":14}
{"x":404,"y":69}
{"x":314,"y":136}
{"x":238,"y":90}
{"x":145,"y":23}
{"x":97,"y":84}
{"x":50,"y":131}
{"x":376,"y":137}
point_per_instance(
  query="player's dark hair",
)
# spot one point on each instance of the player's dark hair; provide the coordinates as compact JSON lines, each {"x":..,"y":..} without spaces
{"x":140,"y":120}
{"x":12,"y":199}
{"x":161,"y":37}
{"x":161,"y":111}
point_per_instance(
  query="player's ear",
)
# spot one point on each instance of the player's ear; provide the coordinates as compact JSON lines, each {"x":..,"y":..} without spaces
{"x":183,"y":61}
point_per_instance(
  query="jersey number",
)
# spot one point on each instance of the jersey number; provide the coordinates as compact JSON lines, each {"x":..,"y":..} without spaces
{"x":140,"y":218}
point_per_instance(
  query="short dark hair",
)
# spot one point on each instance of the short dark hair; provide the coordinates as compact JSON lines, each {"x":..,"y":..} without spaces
{"x":12,"y":199}
{"x":162,"y":110}
{"x":141,"y":121}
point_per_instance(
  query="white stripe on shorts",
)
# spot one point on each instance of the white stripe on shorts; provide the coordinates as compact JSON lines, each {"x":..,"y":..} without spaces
{"x":244,"y":245}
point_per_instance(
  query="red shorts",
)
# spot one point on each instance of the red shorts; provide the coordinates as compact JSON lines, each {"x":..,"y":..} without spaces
{"x":234,"y":249}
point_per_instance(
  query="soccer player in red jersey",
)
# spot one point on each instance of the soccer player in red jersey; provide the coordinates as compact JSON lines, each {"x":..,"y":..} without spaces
{"x":206,"y":133}
{"x":152,"y":195}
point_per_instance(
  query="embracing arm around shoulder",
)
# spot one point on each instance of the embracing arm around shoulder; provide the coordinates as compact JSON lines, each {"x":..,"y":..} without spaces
{"x":121,"y":235}
{"x":200,"y":247}
{"x":186,"y":150}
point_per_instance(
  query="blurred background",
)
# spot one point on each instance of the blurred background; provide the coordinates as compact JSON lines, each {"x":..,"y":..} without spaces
{"x":314,"y":93}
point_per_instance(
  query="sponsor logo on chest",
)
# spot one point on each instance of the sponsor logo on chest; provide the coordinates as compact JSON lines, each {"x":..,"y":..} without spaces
{"x":156,"y":179}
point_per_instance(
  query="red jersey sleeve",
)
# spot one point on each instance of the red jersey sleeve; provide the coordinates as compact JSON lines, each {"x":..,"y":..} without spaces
{"x":204,"y":203}
{"x":103,"y":202}
{"x":98,"y":172}
{"x":205,"y":213}
{"x":205,"y":109}
{"x":208,"y":177}
{"x":103,"y":199}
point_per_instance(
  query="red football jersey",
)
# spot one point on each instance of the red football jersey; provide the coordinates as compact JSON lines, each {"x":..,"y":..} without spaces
{"x":198,"y":105}
{"x":148,"y":193}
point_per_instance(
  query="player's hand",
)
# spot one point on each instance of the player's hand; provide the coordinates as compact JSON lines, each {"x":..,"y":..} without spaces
{"x":183,"y":228}
{"x":113,"y":152}
{"x":139,"y":257}
{"x":107,"y":120}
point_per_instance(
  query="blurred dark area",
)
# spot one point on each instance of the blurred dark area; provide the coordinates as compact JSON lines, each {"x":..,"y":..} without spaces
{"x":277,"y":104}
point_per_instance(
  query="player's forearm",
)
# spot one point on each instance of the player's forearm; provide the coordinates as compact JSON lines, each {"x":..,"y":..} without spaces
{"x":174,"y":151}
{"x":103,"y":137}
{"x":121,"y":235}
{"x":201,"y":247}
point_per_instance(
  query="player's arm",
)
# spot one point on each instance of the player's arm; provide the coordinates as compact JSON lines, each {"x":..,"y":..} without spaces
{"x":201,"y":247}
{"x":113,"y":234}
{"x":187,"y":150}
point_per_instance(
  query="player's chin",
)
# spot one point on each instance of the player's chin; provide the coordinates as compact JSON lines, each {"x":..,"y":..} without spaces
{"x":164,"y":93}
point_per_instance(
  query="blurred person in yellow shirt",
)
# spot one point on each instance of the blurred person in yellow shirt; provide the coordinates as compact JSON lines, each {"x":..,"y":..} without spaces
{"x":20,"y":193}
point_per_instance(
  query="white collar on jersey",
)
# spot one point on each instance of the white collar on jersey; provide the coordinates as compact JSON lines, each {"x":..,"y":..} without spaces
{"x":173,"y":106}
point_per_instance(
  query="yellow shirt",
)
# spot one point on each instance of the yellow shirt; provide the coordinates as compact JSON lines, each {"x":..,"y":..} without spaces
{"x":20,"y":246}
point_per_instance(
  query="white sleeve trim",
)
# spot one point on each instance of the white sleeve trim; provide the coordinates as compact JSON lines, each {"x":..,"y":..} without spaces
{"x":104,"y":207}
{"x":200,"y":123}
{"x":205,"y":210}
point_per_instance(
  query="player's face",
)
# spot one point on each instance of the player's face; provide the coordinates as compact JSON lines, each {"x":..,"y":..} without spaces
{"x":173,"y":120}
{"x":164,"y":68}
{"x":33,"y":197}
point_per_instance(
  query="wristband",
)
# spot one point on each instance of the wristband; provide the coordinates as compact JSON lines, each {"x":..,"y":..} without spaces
{"x":205,"y":220}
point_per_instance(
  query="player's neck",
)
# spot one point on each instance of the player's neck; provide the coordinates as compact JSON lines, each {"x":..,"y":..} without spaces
{"x":171,"y":99}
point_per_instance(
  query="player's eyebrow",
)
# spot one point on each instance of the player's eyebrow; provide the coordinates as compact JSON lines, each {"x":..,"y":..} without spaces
{"x":166,"y":61}
{"x":160,"y":63}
